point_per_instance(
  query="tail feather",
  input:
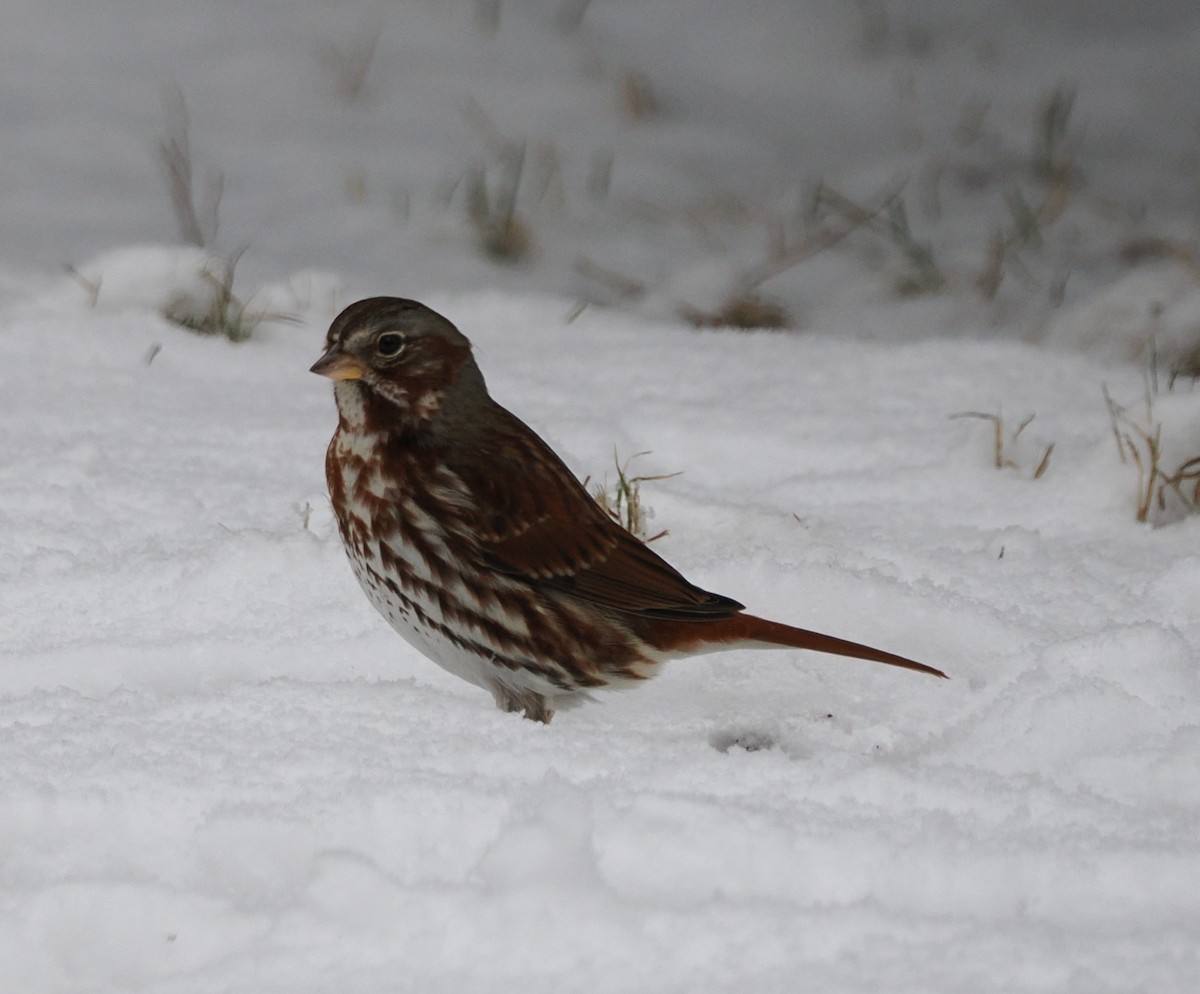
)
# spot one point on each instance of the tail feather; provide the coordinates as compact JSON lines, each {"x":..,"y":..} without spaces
{"x":746,"y":629}
{"x":754,"y":629}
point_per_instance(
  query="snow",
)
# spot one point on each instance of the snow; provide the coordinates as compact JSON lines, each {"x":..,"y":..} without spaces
{"x":221,"y":770}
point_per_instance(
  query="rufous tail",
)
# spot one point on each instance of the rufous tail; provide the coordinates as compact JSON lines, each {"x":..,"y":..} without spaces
{"x":746,"y":629}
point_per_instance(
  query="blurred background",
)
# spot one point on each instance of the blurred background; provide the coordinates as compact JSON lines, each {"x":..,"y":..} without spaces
{"x":878,"y":169}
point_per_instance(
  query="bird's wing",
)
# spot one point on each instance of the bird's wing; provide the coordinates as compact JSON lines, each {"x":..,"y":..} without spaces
{"x":532,"y":519}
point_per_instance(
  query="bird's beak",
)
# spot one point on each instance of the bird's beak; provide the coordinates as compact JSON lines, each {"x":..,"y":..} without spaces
{"x":339,"y":366}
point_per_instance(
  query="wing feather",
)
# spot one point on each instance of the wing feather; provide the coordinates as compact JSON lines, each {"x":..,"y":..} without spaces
{"x":535,"y":521}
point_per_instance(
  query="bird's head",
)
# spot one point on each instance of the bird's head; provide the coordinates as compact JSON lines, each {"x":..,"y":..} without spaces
{"x":395,"y":363}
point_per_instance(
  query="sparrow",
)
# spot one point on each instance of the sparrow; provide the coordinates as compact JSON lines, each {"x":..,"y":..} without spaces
{"x":483,"y":550}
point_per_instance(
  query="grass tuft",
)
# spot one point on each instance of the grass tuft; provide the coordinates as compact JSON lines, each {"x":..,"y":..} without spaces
{"x":501,"y":233}
{"x":1052,"y":158}
{"x":1026,"y":231}
{"x":624,"y":504}
{"x":1004,"y":442}
{"x":197,"y":221}
{"x":747,"y":309}
{"x":1139,"y":443}
{"x":226,"y":316}
{"x":919,"y":273}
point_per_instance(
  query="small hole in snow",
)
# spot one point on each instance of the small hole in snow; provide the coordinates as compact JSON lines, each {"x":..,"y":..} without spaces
{"x":746,"y":739}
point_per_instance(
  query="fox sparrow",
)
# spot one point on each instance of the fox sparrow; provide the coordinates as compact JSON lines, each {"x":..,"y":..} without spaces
{"x":482,"y":549}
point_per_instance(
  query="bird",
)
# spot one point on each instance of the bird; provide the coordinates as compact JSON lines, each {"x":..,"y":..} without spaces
{"x":480,"y":546}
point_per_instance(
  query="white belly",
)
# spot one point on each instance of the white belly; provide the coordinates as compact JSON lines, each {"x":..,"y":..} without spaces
{"x":420,"y":622}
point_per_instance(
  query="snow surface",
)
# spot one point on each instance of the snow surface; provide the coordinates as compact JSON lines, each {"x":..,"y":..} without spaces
{"x":220,"y":769}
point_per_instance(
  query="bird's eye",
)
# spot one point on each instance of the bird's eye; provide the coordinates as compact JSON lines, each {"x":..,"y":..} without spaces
{"x":389,"y":344}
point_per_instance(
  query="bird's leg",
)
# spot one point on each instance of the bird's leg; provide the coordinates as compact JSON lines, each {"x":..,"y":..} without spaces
{"x":534,"y":706}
